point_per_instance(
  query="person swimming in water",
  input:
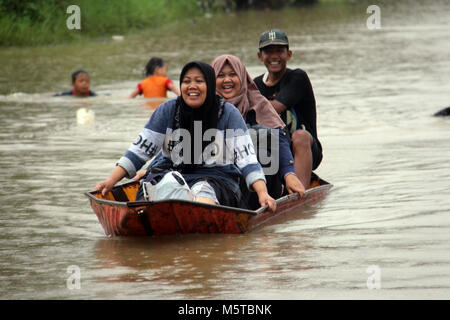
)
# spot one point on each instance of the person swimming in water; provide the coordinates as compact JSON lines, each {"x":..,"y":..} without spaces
{"x":156,"y":84}
{"x":80,"y":83}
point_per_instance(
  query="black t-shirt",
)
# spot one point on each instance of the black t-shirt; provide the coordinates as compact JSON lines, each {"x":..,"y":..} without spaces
{"x":294,"y":90}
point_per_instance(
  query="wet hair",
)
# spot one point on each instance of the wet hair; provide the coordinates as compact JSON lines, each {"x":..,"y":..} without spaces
{"x":152,"y":64}
{"x":77,"y":73}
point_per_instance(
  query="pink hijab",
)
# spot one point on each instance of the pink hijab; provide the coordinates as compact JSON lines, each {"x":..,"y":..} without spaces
{"x":249,"y":98}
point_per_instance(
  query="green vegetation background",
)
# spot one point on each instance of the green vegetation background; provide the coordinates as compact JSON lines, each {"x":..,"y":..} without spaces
{"x":41,"y":22}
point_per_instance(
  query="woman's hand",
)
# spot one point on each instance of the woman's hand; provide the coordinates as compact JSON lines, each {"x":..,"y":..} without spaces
{"x":116,"y":175}
{"x":263,"y":196}
{"x":266,"y":200}
{"x":104,"y":186}
{"x":293,"y":185}
{"x":139,"y":175}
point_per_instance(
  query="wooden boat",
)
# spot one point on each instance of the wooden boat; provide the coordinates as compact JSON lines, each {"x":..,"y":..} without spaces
{"x":120,"y":215}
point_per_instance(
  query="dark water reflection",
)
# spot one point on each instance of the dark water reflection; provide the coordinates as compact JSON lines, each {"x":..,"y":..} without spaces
{"x":383,"y":151}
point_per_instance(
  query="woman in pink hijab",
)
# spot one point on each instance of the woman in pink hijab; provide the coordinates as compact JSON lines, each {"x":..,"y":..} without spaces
{"x":236,"y":86}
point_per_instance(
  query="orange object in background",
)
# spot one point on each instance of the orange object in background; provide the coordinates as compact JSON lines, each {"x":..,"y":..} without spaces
{"x":154,"y":86}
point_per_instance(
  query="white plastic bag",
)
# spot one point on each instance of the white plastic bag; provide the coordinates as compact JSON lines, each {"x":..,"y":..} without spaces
{"x":171,"y":186}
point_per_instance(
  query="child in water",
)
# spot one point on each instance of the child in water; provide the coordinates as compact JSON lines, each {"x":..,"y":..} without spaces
{"x":156,"y":84}
{"x":80,"y":84}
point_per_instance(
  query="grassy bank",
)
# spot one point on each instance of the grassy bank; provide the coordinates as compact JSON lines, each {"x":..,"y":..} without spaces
{"x":42,"y":22}
{"x":38,"y":22}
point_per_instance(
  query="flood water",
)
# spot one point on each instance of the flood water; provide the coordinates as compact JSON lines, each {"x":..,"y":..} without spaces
{"x":382,"y":232}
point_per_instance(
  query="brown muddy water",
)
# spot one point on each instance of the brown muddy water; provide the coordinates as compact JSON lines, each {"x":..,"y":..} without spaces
{"x":382,"y":233}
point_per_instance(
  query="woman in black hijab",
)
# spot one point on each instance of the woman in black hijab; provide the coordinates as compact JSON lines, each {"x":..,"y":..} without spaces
{"x":198,"y":102}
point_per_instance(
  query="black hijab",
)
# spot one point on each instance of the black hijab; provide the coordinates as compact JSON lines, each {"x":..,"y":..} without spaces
{"x":208,"y":113}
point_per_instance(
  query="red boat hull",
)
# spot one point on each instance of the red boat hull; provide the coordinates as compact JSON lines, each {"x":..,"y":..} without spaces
{"x":121,"y":217}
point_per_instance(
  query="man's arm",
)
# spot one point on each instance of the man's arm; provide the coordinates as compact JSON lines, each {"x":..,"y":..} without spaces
{"x":293,"y":91}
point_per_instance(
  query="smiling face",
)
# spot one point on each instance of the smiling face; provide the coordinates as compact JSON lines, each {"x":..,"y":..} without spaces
{"x":228,"y":84}
{"x":81,"y":84}
{"x":193,"y":88}
{"x":275,"y":57}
